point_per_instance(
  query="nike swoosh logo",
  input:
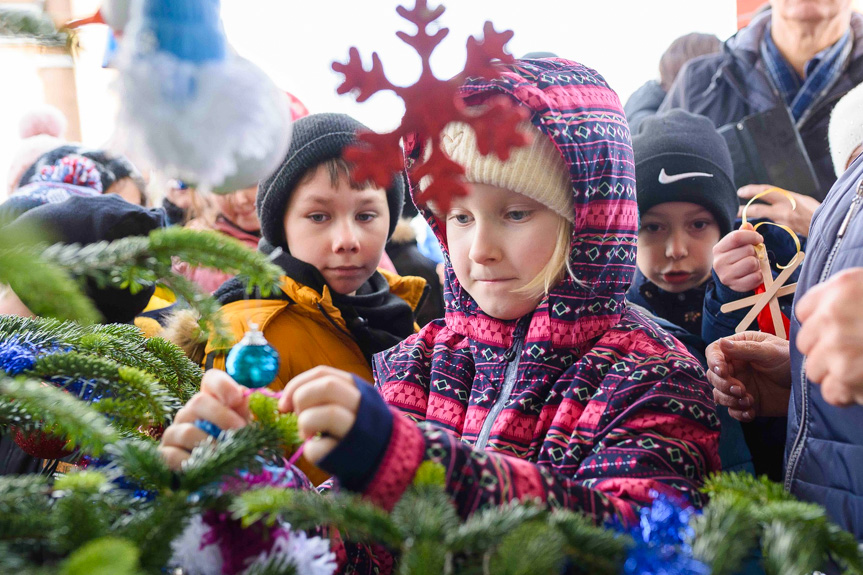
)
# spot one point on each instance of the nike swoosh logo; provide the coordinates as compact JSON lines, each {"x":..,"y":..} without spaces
{"x":666,"y":179}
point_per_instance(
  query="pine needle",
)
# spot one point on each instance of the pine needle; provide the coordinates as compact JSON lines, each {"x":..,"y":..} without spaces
{"x":30,"y":405}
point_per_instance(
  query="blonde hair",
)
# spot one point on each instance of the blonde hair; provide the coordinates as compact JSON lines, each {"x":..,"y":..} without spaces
{"x":558,"y":265}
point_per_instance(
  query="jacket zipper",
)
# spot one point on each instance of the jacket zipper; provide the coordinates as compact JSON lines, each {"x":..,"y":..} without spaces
{"x":512,"y":357}
{"x":799,"y":440}
{"x":333,"y":322}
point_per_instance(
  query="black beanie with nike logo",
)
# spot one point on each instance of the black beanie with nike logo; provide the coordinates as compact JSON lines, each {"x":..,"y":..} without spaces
{"x":679,"y":157}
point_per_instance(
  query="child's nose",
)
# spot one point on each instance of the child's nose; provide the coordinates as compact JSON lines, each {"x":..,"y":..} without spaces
{"x":485,"y":247}
{"x":345,"y":239}
{"x":675,"y":248}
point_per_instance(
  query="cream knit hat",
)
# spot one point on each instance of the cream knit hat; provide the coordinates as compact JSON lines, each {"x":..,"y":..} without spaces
{"x":846,"y":128}
{"x":536,"y":170}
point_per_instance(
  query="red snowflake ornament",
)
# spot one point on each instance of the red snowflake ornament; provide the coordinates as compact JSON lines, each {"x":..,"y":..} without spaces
{"x":431,"y":104}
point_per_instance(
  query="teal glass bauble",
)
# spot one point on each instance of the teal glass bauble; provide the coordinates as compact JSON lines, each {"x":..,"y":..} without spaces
{"x":253,"y":362}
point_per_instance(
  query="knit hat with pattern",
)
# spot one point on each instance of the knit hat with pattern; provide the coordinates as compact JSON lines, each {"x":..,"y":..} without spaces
{"x":536,"y":170}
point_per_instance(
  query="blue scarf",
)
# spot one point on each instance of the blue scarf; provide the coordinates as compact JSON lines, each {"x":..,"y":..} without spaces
{"x":822,"y":71}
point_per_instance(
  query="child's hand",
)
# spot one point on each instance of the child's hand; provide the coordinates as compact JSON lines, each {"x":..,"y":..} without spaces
{"x":326,"y":401}
{"x":221,"y":401}
{"x":734,"y":259}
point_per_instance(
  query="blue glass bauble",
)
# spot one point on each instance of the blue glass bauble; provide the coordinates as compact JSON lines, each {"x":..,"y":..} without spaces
{"x":253,"y":362}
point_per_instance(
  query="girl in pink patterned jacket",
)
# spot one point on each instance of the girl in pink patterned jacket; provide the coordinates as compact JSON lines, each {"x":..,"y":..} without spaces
{"x":540,"y":382}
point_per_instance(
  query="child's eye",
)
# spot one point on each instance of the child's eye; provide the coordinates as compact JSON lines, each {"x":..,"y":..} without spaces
{"x":701,"y":224}
{"x":518,"y":215}
{"x":460,"y":218}
{"x":651,"y":228}
{"x":318,"y":218}
{"x":366,"y":217}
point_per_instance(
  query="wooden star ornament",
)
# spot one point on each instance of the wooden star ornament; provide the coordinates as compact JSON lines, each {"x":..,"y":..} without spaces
{"x":764,"y":305}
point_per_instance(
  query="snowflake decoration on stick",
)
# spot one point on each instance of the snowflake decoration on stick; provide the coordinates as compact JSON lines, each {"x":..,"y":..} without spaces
{"x":431,"y":104}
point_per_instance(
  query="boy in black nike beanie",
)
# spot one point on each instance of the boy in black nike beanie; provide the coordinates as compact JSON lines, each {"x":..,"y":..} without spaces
{"x":686,"y":203}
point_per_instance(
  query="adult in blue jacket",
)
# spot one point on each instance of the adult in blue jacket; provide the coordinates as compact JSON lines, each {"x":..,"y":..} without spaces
{"x":805,"y":55}
{"x":817,"y":377}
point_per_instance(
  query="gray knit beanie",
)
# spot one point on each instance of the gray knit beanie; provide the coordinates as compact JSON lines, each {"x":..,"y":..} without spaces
{"x":315,"y":139}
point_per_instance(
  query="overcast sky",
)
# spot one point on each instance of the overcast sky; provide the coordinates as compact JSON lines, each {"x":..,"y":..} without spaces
{"x":296,"y":42}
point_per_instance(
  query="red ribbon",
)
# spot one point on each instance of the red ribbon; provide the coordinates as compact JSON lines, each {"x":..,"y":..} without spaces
{"x":765,"y":318}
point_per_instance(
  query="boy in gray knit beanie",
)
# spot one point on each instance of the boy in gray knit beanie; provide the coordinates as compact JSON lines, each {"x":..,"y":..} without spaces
{"x":327,"y":233}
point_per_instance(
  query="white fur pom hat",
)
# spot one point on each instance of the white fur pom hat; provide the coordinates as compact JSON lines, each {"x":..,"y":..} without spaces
{"x":846,"y":128}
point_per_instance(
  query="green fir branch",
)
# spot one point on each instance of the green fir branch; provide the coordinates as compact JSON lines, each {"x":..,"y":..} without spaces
{"x":142,"y":463}
{"x":124,"y":344}
{"x":51,"y":293}
{"x":794,"y":536}
{"x":135,"y":389}
{"x":210,"y":320}
{"x":30,"y":405}
{"x":153,"y":528}
{"x":423,"y":557}
{"x":183,"y":376}
{"x":357,"y":519}
{"x":426,"y":513}
{"x":123,"y":261}
{"x":265,"y":410}
{"x":78,"y":519}
{"x":214,"y":460}
{"x":743,"y":485}
{"x":789,"y":551}
{"x":534,"y":547}
{"x":132,"y":262}
{"x":430,"y":474}
{"x":205,"y":248}
{"x":14,"y":560}
{"x":487,"y":527}
{"x":105,"y":556}
{"x":42,"y":332}
{"x":593,"y":550}
{"x":24,"y":506}
{"x":726,"y":535}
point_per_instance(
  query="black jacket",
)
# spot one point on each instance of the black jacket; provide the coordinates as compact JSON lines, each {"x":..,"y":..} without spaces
{"x":643,"y":103}
{"x":734,"y":83}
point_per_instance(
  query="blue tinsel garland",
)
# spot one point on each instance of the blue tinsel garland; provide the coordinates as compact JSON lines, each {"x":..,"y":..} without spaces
{"x":18,"y":355}
{"x":662,"y":540}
